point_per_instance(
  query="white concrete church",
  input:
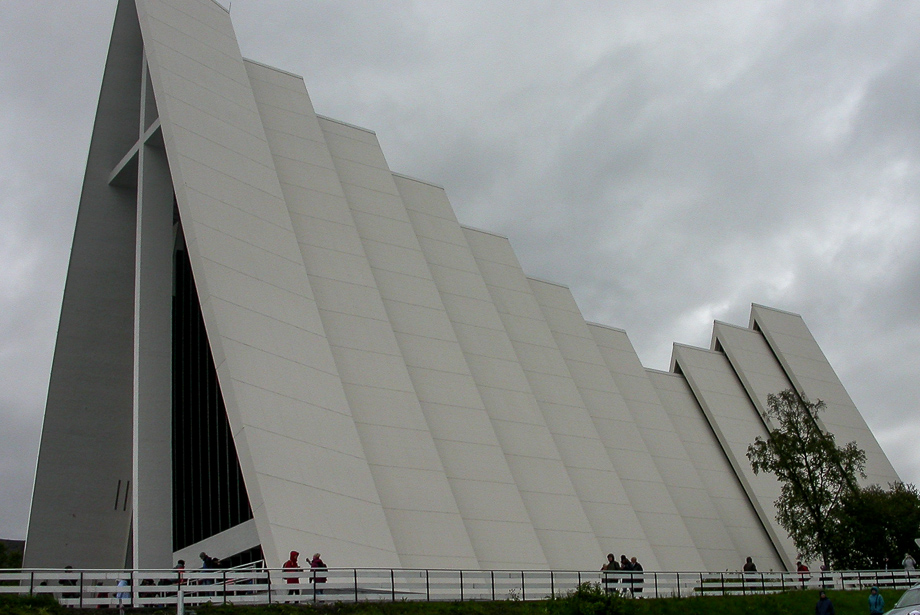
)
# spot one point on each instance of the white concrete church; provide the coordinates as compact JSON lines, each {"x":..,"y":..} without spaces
{"x":271,"y":341}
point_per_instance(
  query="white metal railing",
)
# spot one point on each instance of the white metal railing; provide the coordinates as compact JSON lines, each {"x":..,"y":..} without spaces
{"x":97,"y":588}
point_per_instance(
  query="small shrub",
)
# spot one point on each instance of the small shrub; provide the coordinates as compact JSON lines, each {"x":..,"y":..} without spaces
{"x":588,"y":599}
{"x":29,"y":605}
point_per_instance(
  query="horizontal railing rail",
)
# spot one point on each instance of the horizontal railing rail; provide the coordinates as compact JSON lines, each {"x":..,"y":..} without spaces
{"x":258,"y":585}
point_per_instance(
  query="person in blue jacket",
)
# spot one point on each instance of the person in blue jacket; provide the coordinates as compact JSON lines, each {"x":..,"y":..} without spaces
{"x":876,"y":602}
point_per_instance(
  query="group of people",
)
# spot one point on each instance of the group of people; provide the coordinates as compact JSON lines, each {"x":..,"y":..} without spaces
{"x":908,"y":563}
{"x":631,"y":583}
{"x":292,"y":572}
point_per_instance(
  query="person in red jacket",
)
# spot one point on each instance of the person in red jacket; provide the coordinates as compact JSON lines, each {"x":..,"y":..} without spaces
{"x":319,"y":567}
{"x":291,"y":567}
{"x":802,"y":569}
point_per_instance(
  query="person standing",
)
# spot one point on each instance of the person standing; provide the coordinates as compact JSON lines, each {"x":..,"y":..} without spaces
{"x":749,"y":565}
{"x":291,"y":568}
{"x":180,"y":572}
{"x":626,"y":580}
{"x":610,"y":581}
{"x":122,"y":595}
{"x":318,"y":566}
{"x":876,"y":602}
{"x":635,"y":566}
{"x":802,"y":569}
{"x":208,"y":563}
{"x":824,"y":606}
{"x":909,"y":562}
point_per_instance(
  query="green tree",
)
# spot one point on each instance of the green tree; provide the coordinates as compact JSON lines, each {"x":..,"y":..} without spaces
{"x":814,"y":473}
{"x":10,"y":558}
{"x":877,"y":525}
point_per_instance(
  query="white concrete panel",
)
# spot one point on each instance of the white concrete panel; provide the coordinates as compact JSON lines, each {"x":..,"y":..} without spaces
{"x":408,"y":475}
{"x":318,"y":234}
{"x":270,"y":361}
{"x":644,"y":390}
{"x":337,"y":127}
{"x":315,"y":203}
{"x":478,"y":339}
{"x":85,"y":455}
{"x":813,"y":376}
{"x":373,"y":202}
{"x":531,"y":455}
{"x":436,"y":363}
{"x":743,"y":527}
{"x":649,"y":490}
{"x":383,"y":229}
{"x":736,"y":424}
{"x":753,"y":361}
{"x":349,"y":149}
{"x":152,"y":529}
{"x":580,"y":448}
{"x":499,"y":374}
{"x":398,"y":287}
{"x":346,"y":297}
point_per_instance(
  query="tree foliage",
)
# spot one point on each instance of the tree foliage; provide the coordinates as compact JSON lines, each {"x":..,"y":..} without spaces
{"x":815,"y":474}
{"x":876,"y":528}
{"x":10,"y":558}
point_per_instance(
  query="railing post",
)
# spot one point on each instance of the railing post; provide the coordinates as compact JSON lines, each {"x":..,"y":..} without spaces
{"x":677,"y":580}
{"x":355,"y":570}
{"x":722,"y":581}
{"x":523,"y":587}
{"x":461,"y":586}
{"x":268,"y":584}
{"x":492,"y":575}
{"x":81,"y":589}
{"x":180,"y":601}
{"x":656,"y":583}
{"x":392,"y":585}
{"x":31,"y":582}
{"x":427,"y":585}
{"x":224,"y":585}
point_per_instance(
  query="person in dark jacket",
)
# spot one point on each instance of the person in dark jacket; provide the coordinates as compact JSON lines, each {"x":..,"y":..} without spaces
{"x":635,"y":566}
{"x":319,"y":567}
{"x":876,"y":602}
{"x":824,"y":606}
{"x":610,"y":566}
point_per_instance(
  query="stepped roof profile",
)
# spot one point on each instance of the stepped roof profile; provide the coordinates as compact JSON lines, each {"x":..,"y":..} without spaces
{"x":271,"y":341}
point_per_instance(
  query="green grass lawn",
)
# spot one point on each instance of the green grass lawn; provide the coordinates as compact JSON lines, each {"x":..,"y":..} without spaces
{"x":589,"y":600}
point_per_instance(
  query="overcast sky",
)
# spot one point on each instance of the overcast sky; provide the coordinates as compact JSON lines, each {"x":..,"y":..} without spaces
{"x":671,"y":162}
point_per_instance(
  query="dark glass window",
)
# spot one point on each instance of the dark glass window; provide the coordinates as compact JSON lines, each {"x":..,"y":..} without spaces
{"x":208,"y":491}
